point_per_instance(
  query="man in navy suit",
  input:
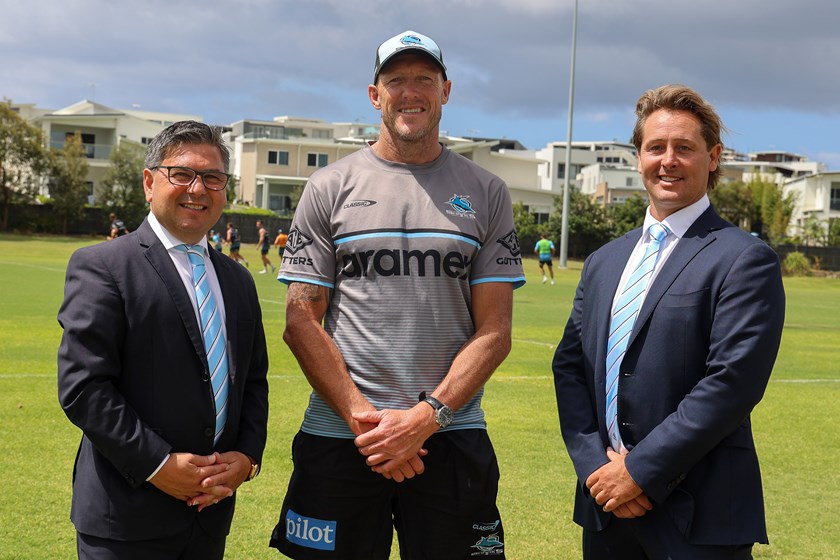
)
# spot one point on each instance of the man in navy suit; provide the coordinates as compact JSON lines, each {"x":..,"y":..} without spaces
{"x":673,"y":473}
{"x":155,"y":473}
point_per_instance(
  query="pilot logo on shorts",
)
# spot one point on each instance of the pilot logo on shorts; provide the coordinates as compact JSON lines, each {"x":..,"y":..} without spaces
{"x":297,"y":241}
{"x":310,"y":532}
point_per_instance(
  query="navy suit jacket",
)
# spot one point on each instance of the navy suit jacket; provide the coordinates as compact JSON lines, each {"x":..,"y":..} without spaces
{"x":698,"y":361}
{"x":132,"y":374}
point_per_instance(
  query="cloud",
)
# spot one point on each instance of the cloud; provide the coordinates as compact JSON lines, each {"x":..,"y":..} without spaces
{"x":509,"y":61}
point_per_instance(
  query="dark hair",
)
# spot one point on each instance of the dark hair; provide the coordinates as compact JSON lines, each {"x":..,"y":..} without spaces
{"x":675,"y":97}
{"x":185,"y":133}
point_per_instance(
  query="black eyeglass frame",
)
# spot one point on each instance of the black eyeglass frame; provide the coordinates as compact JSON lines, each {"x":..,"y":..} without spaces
{"x":196,"y":173}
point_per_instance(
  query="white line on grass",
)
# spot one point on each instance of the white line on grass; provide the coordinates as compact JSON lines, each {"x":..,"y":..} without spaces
{"x":27,"y":265}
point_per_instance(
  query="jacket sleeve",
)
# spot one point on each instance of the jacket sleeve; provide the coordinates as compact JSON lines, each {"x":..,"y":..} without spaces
{"x":573,"y":386}
{"x":89,"y":365}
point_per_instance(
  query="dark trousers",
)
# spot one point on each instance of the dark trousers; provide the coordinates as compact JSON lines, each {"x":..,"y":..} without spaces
{"x":652,"y":537}
{"x":192,"y":544}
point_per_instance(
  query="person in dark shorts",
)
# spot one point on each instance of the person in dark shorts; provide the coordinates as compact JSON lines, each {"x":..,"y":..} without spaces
{"x":398,"y":317}
{"x":234,"y":242}
{"x":280,"y":242}
{"x":264,"y":245}
{"x":545,"y":249}
{"x":118,"y":228}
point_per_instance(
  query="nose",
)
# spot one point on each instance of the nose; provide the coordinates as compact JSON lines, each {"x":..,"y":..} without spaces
{"x":669,"y":158}
{"x":193,"y":186}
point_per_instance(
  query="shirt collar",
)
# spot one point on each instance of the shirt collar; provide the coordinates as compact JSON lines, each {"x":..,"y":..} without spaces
{"x":167,"y":239}
{"x":679,"y":222}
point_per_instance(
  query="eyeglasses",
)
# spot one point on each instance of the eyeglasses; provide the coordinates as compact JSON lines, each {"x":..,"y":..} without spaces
{"x":185,"y":177}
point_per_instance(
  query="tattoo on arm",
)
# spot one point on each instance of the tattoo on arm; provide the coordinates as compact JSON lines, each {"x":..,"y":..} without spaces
{"x":305,"y":292}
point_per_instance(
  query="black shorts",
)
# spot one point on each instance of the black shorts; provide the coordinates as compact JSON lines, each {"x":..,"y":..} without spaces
{"x":546,"y":261}
{"x":337,"y":508}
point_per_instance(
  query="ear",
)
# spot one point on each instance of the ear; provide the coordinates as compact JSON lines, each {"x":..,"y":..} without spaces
{"x":373,"y":95}
{"x":714,"y":154}
{"x":148,"y":183}
{"x":447,"y":88}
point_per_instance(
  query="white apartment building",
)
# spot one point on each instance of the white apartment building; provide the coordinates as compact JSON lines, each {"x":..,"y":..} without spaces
{"x":272,"y":158}
{"x":817,"y":195}
{"x":101,"y":128}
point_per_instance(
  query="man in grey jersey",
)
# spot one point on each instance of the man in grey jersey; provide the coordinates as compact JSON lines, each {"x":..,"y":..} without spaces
{"x":401,"y":264}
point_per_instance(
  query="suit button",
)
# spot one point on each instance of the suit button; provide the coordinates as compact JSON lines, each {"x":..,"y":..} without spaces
{"x":205,"y":377}
{"x":208,"y":432}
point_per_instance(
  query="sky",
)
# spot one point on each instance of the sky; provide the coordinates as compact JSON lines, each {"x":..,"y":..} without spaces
{"x":770,"y":68}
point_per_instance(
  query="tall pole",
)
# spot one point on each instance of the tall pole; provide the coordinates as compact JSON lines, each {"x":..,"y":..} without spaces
{"x":564,"y":232}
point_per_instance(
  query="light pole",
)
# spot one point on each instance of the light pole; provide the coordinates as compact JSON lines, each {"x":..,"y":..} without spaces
{"x":564,"y":230}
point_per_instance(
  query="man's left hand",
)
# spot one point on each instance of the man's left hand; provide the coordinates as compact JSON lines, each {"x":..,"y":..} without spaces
{"x":223,"y":485}
{"x":397,"y":439}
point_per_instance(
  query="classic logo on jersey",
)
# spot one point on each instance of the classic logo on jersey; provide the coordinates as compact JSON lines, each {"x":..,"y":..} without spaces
{"x":297,"y":241}
{"x":396,"y":262}
{"x":511,"y":243}
{"x":461,"y":204}
{"x":310,"y":532}
{"x":359,"y":204}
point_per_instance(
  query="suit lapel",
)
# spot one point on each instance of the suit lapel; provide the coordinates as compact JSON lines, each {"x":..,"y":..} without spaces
{"x":699,"y":236}
{"x":159,"y":258}
{"x":227,"y":283}
{"x":614,"y":263}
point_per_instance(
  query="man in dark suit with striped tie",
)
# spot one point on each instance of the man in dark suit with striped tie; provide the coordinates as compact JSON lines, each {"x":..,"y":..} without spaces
{"x":162,"y":365}
{"x":670,"y":344}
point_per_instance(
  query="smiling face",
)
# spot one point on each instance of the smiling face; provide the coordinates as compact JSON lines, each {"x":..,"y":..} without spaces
{"x":410,"y":93}
{"x":674,"y":161}
{"x":186,"y":212}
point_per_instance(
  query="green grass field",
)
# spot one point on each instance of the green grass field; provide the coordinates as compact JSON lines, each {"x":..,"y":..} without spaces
{"x":796,"y":425}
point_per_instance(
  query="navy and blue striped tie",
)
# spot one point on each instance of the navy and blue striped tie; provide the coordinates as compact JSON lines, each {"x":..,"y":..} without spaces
{"x":213,"y":333}
{"x":621,"y":325}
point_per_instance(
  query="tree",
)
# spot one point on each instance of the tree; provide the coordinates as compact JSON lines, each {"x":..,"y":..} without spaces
{"x":815,"y":232}
{"x":69,"y":180}
{"x":589,"y":226}
{"x":734,"y":202}
{"x":524,"y":222}
{"x":775,"y":208}
{"x":122,"y":185}
{"x":22,"y":160}
{"x":834,"y":232}
{"x":628,"y":215}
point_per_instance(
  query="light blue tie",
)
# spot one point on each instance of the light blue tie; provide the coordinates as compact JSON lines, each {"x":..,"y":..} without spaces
{"x":213,"y":333}
{"x":621,"y":325}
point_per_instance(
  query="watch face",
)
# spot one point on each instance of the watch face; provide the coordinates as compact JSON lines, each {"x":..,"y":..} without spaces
{"x":444,"y":416}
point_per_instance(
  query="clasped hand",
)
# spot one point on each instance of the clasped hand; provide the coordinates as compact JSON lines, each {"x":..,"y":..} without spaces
{"x":615,"y":490}
{"x":202,"y":480}
{"x":392,"y":441}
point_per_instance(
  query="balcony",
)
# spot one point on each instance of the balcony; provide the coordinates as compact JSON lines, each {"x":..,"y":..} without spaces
{"x":92,"y":151}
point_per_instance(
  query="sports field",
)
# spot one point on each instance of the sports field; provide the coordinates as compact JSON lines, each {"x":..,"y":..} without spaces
{"x":796,"y":425}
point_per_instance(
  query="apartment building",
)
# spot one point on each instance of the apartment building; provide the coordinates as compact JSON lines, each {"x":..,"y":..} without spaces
{"x":101,"y":128}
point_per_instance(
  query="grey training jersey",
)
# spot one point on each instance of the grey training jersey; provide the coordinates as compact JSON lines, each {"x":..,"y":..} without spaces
{"x":400,"y":245}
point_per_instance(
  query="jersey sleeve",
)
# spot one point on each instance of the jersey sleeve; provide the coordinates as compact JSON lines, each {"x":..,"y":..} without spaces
{"x":310,"y":255}
{"x":500,"y":256}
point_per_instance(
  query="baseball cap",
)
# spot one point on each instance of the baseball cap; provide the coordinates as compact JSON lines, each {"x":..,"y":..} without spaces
{"x":405,"y":42}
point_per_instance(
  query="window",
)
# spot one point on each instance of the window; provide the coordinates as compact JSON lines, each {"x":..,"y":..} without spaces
{"x":574,"y":170}
{"x":835,"y":196}
{"x":145,"y":140}
{"x":316,"y":160}
{"x":630,"y":181}
{"x":278,"y":157}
